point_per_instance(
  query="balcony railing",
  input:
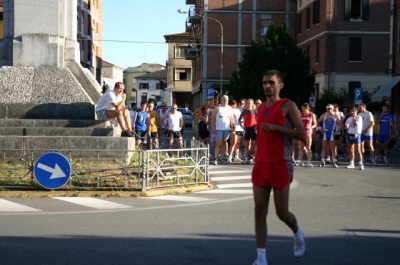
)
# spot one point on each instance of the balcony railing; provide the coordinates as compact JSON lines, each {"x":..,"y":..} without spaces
{"x":194,"y":15}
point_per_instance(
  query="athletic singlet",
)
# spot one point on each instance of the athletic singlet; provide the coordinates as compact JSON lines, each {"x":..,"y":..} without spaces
{"x":154,"y":119}
{"x":386,"y":123}
{"x":328,"y":124}
{"x":307,"y":122}
{"x":175,"y":121}
{"x":141,"y":119}
{"x":236,"y":114}
{"x":250,"y":118}
{"x":223,"y":118}
{"x":272,"y":146}
{"x":161,"y":115}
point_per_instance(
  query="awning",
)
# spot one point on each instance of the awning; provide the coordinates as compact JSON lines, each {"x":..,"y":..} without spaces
{"x":385,"y":90}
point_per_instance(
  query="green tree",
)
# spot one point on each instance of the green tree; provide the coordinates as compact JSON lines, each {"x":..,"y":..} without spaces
{"x":276,"y":51}
{"x":344,"y":99}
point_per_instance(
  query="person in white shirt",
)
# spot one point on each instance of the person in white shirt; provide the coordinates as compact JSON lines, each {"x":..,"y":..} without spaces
{"x":222,"y":124}
{"x":174,"y":126}
{"x":354,"y":125}
{"x":111,"y":105}
{"x":237,"y":135}
{"x":367,"y":131}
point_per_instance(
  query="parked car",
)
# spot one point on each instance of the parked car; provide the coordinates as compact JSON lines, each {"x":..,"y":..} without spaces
{"x":186,"y":114}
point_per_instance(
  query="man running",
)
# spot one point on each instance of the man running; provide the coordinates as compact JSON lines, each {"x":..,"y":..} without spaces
{"x":278,"y":121}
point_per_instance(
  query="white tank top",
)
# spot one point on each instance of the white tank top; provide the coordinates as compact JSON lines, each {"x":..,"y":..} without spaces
{"x":162,"y":116}
{"x":175,"y":121}
{"x":223,"y":118}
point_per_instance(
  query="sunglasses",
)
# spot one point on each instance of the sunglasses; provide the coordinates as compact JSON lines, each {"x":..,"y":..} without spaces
{"x":269,"y":82}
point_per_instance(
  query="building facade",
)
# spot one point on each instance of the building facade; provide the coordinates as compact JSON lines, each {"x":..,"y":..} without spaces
{"x":348,"y":42}
{"x":152,"y":86}
{"x":90,"y":35}
{"x":179,"y":70}
{"x":130,"y":79}
{"x":111,"y":74}
{"x":222,"y":29}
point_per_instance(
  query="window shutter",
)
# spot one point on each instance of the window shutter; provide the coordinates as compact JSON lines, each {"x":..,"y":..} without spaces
{"x":347,"y":9}
{"x":365,"y":10}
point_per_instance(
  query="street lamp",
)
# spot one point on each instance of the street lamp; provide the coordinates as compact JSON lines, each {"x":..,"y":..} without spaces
{"x":222,"y":47}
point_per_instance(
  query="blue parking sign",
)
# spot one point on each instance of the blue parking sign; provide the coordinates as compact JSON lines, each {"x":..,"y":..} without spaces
{"x":52,"y":170}
{"x":358,"y":96}
{"x":210,"y":93}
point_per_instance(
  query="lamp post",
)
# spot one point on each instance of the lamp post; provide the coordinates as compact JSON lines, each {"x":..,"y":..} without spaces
{"x":222,"y":47}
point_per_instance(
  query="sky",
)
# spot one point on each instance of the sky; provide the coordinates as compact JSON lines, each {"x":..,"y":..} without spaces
{"x":133,"y":30}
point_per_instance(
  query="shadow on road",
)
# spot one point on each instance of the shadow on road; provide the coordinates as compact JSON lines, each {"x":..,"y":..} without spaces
{"x":352,"y":248}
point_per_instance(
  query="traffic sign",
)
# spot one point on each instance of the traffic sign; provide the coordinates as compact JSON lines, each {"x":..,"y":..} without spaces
{"x":312,"y":102}
{"x":210,"y":93}
{"x":52,"y":170}
{"x":358,"y":96}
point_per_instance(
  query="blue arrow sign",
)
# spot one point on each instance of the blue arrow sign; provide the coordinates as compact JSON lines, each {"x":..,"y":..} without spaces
{"x":210,"y":93}
{"x":52,"y":170}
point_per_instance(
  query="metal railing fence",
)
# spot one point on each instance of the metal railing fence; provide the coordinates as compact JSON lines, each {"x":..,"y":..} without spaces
{"x":112,"y":169}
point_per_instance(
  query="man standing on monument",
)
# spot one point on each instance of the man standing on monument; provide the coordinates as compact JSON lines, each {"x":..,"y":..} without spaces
{"x":111,"y":105}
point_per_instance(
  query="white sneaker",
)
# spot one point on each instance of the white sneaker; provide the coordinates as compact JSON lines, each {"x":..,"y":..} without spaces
{"x":334,"y":164}
{"x":257,"y":262}
{"x":350,"y":166}
{"x":299,"y":244}
{"x":386,"y":161}
{"x":361,"y":167}
{"x":301,"y":164}
{"x":230,"y":160}
{"x":322,"y":164}
{"x":328,"y":159}
{"x":237,"y":159}
{"x":309,"y":164}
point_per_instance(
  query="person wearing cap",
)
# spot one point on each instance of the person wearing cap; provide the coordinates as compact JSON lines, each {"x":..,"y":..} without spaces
{"x":329,"y":123}
{"x":354,"y":126}
{"x":309,"y":122}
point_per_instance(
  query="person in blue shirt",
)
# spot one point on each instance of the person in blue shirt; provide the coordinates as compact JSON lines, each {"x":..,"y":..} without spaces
{"x":140,"y":124}
{"x":386,"y":132}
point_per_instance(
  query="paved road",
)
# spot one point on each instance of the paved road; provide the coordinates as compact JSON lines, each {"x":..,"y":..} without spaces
{"x":349,"y":217}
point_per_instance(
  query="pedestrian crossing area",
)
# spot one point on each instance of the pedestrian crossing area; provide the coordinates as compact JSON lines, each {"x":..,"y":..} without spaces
{"x":231,"y":181}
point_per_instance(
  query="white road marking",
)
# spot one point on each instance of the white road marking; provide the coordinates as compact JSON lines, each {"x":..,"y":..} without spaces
{"x":179,"y":198}
{"x":235,"y":185}
{"x":230,"y":178}
{"x":226,"y":191}
{"x":8,"y":206}
{"x":226,"y":172}
{"x":94,"y":203}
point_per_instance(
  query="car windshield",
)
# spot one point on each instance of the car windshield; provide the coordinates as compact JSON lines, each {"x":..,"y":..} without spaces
{"x":185,"y":111}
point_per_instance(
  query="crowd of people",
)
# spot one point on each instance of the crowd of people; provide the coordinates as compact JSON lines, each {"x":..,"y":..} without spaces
{"x":233,"y":124}
{"x":354,"y":131}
